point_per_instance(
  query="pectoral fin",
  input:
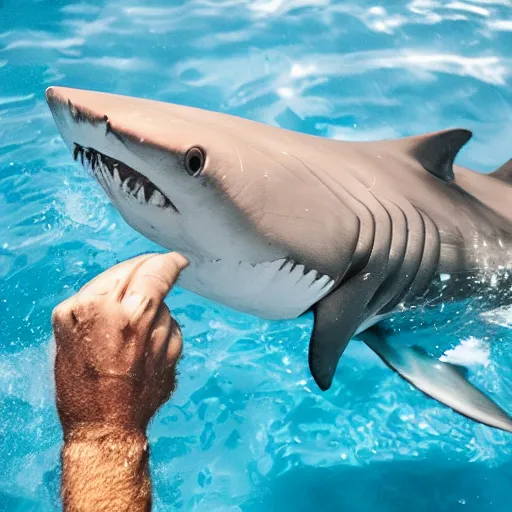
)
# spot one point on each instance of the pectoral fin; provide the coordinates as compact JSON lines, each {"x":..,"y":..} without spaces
{"x":337,"y":318}
{"x":442,"y":381}
{"x":329,"y":339}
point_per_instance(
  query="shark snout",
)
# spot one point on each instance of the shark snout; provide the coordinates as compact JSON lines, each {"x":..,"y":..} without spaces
{"x":60,"y":100}
{"x":106,"y":137}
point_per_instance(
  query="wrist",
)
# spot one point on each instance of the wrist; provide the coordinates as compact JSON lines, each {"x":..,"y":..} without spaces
{"x":106,"y":443}
{"x":92,"y":433}
{"x":105,"y":468}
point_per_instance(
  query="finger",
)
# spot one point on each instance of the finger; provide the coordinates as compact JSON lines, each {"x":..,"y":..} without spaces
{"x":175,"y":344}
{"x":174,"y":350}
{"x":153,"y":279}
{"x":115,"y":276}
{"x":160,"y":333}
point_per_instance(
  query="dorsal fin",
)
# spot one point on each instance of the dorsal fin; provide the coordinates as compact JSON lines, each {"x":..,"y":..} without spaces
{"x":437,"y":151}
{"x":504,"y":173}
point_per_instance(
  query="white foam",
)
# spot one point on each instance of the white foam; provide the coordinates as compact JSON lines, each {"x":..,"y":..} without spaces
{"x":118,"y":63}
{"x":501,"y":316}
{"x":462,"y":6}
{"x":500,"y":25}
{"x":470,"y":352}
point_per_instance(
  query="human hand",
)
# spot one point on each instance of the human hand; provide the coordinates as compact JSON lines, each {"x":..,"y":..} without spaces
{"x":118,"y":346}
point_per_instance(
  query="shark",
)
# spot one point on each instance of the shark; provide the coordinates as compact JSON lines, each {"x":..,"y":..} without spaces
{"x":276,"y":223}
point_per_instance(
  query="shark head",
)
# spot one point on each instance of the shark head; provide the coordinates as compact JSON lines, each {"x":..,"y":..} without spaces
{"x":226,"y":192}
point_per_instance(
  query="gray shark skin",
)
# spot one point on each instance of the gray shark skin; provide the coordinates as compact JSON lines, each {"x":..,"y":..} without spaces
{"x":275,"y":223}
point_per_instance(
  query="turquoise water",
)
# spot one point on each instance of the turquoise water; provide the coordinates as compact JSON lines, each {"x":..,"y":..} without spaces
{"x":247,"y":429}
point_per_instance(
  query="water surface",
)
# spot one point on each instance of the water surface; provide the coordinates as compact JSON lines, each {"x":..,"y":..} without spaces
{"x":247,"y":429}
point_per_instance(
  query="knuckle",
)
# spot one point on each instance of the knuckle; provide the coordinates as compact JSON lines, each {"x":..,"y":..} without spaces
{"x":61,"y":312}
{"x":85,"y":303}
{"x":57,"y":314}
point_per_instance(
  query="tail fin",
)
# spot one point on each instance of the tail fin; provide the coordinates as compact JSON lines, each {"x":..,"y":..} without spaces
{"x":504,"y":173}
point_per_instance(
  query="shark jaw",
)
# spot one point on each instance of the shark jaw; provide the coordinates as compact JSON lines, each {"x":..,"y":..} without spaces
{"x":230,"y":263}
{"x":120,"y":181}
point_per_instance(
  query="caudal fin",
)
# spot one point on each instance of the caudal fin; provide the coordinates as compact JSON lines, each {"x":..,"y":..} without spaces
{"x":504,"y":173}
{"x":444,"y":382}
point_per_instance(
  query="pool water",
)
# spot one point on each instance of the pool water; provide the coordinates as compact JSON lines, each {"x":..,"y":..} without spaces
{"x":248,"y":430}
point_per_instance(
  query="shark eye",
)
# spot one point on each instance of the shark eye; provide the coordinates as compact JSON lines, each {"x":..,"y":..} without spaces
{"x":194,"y":161}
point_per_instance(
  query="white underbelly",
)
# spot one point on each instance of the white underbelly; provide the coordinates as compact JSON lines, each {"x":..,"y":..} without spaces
{"x":273,"y":290}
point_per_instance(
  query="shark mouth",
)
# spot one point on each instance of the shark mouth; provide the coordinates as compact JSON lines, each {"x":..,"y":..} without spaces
{"x":127,"y":180}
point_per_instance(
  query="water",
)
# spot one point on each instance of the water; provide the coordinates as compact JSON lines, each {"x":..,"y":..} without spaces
{"x":247,"y":429}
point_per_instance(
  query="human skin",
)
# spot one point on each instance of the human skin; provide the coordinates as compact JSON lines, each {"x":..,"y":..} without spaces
{"x":117,"y":347}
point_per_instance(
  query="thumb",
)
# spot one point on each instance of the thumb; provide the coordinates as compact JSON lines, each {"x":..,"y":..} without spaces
{"x":154,"y":278}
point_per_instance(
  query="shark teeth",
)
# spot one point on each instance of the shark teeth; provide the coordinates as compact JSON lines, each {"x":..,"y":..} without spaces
{"x":157,"y":199}
{"x":124,"y":186}
{"x":113,"y":174}
{"x":117,"y":179}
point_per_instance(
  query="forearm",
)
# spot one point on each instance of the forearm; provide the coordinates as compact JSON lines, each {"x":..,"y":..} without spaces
{"x":105,"y":469}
